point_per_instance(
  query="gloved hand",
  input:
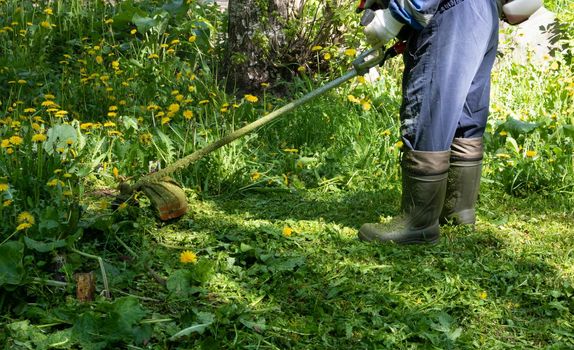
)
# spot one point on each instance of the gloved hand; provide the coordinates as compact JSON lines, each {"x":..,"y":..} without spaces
{"x":382,"y":28}
{"x":517,"y":11}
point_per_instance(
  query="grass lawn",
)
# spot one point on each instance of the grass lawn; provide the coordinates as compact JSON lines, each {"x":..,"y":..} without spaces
{"x":289,"y":272}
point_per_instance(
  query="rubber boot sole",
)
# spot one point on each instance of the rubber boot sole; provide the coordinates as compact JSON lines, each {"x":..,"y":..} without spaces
{"x":411,"y":237}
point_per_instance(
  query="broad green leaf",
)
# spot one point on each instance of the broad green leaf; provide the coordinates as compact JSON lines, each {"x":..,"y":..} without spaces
{"x":286,"y":264}
{"x":44,"y":246}
{"x":176,"y":8}
{"x":59,"y":136}
{"x":205,"y":318}
{"x":202,"y":270}
{"x":11,"y":267}
{"x":144,"y":23}
{"x":512,"y":144}
{"x":130,"y":122}
{"x":517,"y":127}
{"x":127,"y":311}
{"x":179,"y":282}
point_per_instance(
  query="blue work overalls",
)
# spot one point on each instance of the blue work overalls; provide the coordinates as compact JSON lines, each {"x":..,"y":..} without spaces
{"x":446,"y":82}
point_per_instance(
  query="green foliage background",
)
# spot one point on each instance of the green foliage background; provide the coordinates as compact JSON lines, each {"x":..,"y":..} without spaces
{"x":94,"y":93}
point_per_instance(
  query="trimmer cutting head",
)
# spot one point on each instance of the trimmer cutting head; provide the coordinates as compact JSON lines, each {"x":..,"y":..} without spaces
{"x":166,"y":196}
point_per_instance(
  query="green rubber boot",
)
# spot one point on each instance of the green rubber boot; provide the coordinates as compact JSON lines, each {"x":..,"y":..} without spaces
{"x":463,"y":182}
{"x":424,"y":186}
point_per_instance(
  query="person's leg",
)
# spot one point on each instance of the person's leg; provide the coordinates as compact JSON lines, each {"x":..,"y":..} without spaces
{"x":440,"y":64}
{"x":467,"y":147}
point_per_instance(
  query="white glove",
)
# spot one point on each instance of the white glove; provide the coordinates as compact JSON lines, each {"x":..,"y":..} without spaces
{"x":517,"y":11}
{"x":382,"y":28}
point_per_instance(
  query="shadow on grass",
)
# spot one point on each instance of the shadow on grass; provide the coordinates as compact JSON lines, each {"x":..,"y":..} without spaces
{"x":321,"y":288}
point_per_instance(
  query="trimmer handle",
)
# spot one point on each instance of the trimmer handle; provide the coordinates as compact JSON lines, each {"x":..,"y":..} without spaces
{"x":377,"y":56}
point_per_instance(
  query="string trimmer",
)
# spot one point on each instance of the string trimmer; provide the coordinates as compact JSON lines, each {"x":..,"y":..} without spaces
{"x":168,"y":197}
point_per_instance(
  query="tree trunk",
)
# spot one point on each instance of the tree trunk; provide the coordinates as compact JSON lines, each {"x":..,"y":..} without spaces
{"x":254,"y":35}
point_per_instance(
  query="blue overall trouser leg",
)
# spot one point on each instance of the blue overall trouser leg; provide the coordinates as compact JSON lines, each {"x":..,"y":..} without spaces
{"x":446,"y":96}
{"x":446,"y":82}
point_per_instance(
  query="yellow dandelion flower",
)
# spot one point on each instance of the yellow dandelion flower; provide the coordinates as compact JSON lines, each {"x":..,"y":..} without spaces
{"x":4,"y":187}
{"x":399,"y":144}
{"x":112,"y":114}
{"x":187,"y":114}
{"x":152,"y":107}
{"x":361,"y":79}
{"x":109,"y":124}
{"x":99,"y":59}
{"x":188,"y":256}
{"x":350,"y":52}
{"x":153,"y":55}
{"x":366,"y":105}
{"x":317,"y":48}
{"x":301,"y":69}
{"x":109,"y":21}
{"x":483,"y":295}
{"x":133,"y":31}
{"x":353,"y":99}
{"x":52,"y":183}
{"x":38,"y":138}
{"x":7,"y":203}
{"x":531,"y":153}
{"x":146,"y":138}
{"x":287,"y":231}
{"x":255,"y":176}
{"x":251,"y":98}
{"x":192,"y":38}
{"x":16,"y":140}
{"x":503,"y":133}
{"x":48,"y":11}
{"x":327,"y":56}
{"x":116,"y":65}
{"x":165,"y":120}
{"x":46,"y":25}
{"x":23,"y":226}
{"x":29,"y":110}
{"x":27,"y":217}
{"x":49,"y":104}
{"x":5,"y":143}
{"x":115,"y":172}
{"x":173,"y":108}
